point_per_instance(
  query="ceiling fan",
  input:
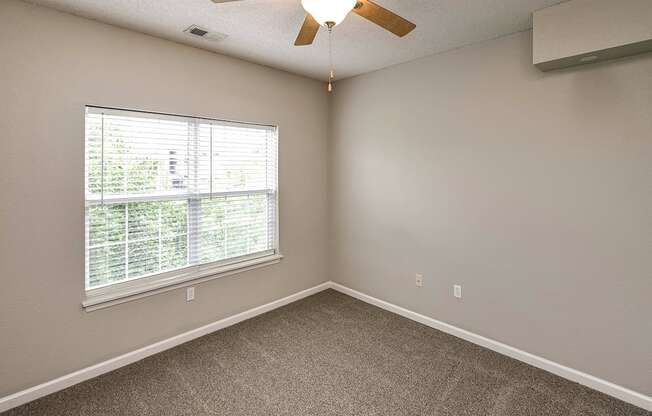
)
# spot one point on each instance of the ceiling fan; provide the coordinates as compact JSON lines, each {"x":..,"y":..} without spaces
{"x":330,"y":13}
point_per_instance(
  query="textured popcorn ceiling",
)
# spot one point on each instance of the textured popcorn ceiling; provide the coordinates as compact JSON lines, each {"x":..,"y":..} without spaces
{"x":263,"y":31}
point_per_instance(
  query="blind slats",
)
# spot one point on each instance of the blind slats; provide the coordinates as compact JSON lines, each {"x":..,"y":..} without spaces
{"x":169,"y":192}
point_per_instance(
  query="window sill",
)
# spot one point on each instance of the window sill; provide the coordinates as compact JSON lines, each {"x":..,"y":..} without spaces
{"x":107,"y":297}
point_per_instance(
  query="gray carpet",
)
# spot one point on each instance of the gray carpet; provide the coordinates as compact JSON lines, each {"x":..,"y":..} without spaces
{"x":328,"y":354}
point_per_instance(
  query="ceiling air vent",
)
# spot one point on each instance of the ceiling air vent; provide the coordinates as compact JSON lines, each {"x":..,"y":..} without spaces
{"x":200,"y":32}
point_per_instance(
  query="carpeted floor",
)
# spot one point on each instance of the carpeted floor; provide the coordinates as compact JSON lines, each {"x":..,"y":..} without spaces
{"x":328,"y":354}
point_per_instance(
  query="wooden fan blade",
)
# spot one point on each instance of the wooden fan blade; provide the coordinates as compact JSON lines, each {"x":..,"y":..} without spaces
{"x":308,"y":31}
{"x":384,"y":18}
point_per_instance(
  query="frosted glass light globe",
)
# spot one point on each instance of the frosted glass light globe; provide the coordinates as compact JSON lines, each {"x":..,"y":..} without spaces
{"x":328,"y":10}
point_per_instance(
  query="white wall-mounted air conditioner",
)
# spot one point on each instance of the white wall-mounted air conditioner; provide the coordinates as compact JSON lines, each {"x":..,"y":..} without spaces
{"x":585,"y":31}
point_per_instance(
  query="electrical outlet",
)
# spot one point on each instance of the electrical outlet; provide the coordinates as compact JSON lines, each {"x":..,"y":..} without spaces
{"x":190,"y":294}
{"x":418,"y":281}
{"x":457,"y":291}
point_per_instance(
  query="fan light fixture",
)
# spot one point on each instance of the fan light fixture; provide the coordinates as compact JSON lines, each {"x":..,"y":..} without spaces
{"x":328,"y":12}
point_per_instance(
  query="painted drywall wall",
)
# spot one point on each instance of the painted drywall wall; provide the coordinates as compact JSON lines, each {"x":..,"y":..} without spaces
{"x":51,"y":65}
{"x":531,"y":190}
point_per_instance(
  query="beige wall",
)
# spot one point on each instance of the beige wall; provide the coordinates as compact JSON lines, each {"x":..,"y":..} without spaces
{"x":51,"y":64}
{"x":533,"y":191}
{"x":530,"y":190}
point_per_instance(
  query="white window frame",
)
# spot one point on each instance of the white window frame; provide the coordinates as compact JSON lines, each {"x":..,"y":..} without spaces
{"x":135,"y":288}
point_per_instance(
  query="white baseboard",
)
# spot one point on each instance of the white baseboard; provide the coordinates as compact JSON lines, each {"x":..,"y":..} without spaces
{"x":84,"y":374}
{"x":619,"y":392}
{"x":87,"y":373}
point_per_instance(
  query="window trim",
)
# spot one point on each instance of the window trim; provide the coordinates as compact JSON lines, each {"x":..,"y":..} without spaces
{"x":145,"y":286}
{"x":117,"y":293}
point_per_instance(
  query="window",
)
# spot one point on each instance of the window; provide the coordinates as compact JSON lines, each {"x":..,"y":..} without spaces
{"x":171,"y":196}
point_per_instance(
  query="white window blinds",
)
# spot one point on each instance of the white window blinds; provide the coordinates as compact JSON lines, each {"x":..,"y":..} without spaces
{"x":165,"y":193}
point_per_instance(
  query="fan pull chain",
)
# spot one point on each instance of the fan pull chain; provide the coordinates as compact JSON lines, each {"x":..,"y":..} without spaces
{"x":331,"y":75}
